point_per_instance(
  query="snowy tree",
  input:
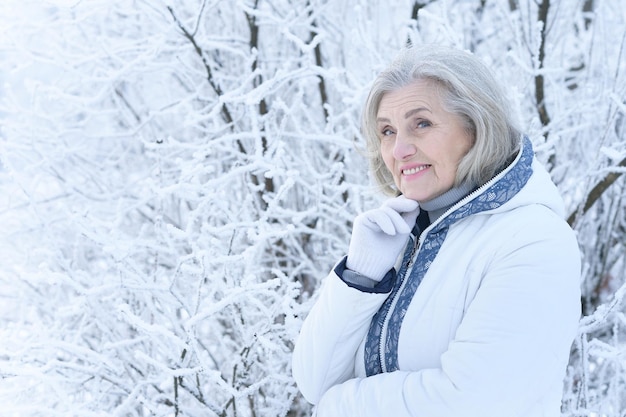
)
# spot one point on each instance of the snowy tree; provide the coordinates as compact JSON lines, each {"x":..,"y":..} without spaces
{"x":178,"y":176}
{"x":175,"y":184}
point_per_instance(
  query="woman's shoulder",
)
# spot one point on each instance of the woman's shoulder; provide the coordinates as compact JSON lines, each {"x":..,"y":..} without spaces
{"x":532,"y":229}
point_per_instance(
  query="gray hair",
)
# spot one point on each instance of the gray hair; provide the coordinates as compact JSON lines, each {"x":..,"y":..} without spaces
{"x":468,"y":89}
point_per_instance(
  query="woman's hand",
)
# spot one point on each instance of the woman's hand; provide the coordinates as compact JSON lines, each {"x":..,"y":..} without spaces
{"x":379,"y":235}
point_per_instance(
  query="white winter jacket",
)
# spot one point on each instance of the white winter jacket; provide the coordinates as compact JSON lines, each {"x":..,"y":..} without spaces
{"x":479,"y":322}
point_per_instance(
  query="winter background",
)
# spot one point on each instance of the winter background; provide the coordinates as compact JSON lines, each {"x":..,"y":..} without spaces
{"x":178,"y":176}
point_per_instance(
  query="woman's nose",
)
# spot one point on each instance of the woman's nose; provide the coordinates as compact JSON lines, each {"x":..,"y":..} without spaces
{"x":404,"y":148}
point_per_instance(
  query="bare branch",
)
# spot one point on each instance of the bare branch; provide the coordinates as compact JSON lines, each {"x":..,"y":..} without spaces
{"x":596,"y":192}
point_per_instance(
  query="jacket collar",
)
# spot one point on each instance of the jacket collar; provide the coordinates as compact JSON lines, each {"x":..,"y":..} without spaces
{"x":496,"y":192}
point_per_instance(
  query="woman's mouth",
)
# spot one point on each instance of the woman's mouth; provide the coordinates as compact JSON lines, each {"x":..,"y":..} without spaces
{"x":415,"y":170}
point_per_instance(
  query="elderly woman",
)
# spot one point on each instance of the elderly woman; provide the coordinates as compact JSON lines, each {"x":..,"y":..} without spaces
{"x":460,"y":295}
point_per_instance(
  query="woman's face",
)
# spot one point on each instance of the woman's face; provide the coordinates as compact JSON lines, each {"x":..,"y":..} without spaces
{"x":420,"y":142}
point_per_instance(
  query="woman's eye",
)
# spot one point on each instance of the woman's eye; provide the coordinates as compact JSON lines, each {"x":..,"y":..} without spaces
{"x":386,"y":132}
{"x":423,"y":123}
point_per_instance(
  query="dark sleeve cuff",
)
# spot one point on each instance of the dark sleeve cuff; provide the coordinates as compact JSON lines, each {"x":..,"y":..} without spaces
{"x":384,"y":286}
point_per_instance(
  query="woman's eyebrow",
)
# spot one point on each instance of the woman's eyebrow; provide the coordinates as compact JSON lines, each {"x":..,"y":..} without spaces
{"x":414,"y":111}
{"x":406,"y":115}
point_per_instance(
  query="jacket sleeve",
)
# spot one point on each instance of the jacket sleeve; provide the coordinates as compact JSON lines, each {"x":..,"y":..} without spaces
{"x":325,"y":350}
{"x":509,"y":351}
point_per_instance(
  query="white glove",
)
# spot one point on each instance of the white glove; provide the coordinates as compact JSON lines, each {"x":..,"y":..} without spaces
{"x":379,"y":235}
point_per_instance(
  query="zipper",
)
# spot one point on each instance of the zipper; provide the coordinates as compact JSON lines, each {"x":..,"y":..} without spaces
{"x":409,"y":267}
{"x":418,"y":245}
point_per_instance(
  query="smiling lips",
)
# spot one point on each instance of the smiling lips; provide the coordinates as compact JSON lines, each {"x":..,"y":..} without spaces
{"x":414,"y":170}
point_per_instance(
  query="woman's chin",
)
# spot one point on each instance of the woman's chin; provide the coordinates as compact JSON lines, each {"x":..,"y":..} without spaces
{"x":411,"y":195}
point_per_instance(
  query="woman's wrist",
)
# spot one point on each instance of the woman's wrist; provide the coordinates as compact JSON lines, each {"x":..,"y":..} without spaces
{"x":371,"y":285}
{"x":354,"y":277}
